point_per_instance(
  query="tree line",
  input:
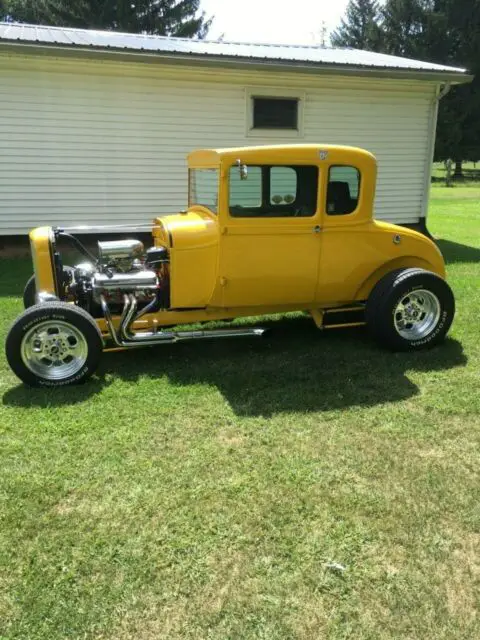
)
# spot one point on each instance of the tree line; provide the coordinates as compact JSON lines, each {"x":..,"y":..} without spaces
{"x":442,"y":31}
{"x":179,"y":18}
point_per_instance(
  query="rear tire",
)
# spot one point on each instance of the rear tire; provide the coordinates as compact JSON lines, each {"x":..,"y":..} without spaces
{"x":410,"y":310}
{"x":54,"y":344}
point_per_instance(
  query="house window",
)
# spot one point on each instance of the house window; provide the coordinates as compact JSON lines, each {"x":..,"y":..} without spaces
{"x":275,"y":113}
{"x":343,"y":190}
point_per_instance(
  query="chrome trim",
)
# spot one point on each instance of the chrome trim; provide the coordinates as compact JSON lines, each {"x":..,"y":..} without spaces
{"x":124,"y":337}
{"x":44,"y":296}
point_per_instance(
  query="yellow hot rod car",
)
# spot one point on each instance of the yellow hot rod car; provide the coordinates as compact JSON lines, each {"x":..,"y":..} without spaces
{"x":267,"y":230}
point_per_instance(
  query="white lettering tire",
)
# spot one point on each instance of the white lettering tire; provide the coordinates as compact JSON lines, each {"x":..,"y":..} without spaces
{"x":410,"y":310}
{"x":54,"y":344}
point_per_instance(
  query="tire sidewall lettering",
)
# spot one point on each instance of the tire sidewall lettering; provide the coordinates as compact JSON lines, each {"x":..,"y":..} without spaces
{"x":63,"y":383}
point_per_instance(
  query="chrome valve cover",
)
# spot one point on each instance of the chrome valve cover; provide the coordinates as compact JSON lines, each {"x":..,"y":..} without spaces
{"x":120,"y":250}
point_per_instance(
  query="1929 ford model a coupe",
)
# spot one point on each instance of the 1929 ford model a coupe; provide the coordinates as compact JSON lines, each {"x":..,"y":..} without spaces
{"x":267,"y":230}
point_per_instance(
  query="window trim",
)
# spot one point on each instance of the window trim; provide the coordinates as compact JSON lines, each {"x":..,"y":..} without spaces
{"x":274,"y":93}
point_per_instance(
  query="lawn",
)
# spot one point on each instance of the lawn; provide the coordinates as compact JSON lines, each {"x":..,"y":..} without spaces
{"x":306,"y":485}
{"x":471,"y":172}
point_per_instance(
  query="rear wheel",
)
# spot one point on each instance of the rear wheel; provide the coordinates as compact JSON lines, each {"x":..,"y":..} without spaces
{"x":410,"y":309}
{"x":54,"y":344}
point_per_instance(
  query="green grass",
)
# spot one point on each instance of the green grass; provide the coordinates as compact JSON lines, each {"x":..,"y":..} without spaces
{"x":202,"y":490}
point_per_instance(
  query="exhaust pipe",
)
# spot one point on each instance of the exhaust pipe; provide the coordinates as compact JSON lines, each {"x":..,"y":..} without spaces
{"x":124,"y":337}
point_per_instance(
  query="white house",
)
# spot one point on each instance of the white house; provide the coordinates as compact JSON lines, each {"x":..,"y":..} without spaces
{"x":95,"y":126}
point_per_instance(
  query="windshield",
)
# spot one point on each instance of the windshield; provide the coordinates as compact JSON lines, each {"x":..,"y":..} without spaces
{"x":203,"y":186}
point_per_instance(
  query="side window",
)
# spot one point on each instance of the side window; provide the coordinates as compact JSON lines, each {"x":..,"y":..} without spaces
{"x":343,"y":190}
{"x":203,"y":184}
{"x":245,"y":195}
{"x":283,"y":185}
{"x":274,"y":192}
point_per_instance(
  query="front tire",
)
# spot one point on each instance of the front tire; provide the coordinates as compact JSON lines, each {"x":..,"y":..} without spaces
{"x":54,"y":344}
{"x":410,"y":310}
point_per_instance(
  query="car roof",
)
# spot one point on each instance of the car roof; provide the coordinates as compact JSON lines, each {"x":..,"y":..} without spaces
{"x":281,"y":154}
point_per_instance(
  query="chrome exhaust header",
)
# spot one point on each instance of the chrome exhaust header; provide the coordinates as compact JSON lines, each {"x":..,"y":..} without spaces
{"x":124,"y":337}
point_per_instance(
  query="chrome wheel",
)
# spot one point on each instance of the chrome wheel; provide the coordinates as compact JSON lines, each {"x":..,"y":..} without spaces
{"x":417,"y":314}
{"x":54,"y":350}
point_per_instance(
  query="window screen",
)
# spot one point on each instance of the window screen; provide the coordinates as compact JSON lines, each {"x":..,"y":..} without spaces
{"x":343,"y":190}
{"x":275,"y":113}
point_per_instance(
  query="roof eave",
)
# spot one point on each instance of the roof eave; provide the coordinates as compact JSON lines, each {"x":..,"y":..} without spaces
{"x":207,"y":60}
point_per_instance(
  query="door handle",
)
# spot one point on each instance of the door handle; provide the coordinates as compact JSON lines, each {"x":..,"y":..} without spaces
{"x":317,"y":228}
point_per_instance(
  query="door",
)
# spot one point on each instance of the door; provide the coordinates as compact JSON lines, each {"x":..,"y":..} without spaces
{"x":270,"y":242}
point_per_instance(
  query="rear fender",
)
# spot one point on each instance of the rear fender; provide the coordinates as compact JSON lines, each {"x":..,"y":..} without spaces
{"x":403,"y":262}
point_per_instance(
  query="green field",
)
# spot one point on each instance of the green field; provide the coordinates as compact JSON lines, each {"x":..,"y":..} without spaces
{"x":471,"y":172}
{"x":306,"y":485}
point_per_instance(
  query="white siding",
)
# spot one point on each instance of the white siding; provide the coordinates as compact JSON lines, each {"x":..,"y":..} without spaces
{"x":105,"y":143}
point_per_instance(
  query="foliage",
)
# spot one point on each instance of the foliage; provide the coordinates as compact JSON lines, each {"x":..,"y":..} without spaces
{"x":162,"y":17}
{"x":442,"y":31}
{"x":359,"y":29}
{"x":211,"y":490}
{"x":3,"y":10}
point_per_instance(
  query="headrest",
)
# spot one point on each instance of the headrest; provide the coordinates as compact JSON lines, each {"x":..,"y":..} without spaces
{"x":338,"y":191}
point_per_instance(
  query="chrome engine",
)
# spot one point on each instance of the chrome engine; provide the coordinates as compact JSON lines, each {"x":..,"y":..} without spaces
{"x":123,"y":268}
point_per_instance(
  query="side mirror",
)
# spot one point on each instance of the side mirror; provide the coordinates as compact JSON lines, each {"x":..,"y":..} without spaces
{"x":243,"y":170}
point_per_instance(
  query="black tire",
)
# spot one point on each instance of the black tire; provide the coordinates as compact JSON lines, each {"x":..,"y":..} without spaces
{"x":77,"y":328}
{"x":385,"y":318}
{"x":29,"y":293}
{"x":30,"y":289}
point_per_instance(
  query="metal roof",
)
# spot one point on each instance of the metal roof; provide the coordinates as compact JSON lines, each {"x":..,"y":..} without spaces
{"x":282,"y":55}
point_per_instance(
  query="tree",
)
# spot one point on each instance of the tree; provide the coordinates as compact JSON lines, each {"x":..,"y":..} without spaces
{"x":360,"y":28}
{"x":3,"y":10}
{"x":161,"y":17}
{"x":442,"y":31}
{"x":446,"y":32}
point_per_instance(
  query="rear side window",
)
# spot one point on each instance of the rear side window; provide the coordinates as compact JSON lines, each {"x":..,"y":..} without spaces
{"x":343,"y":190}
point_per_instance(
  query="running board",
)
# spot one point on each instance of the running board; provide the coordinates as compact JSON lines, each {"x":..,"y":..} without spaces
{"x":124,"y":338}
{"x":339,"y":317}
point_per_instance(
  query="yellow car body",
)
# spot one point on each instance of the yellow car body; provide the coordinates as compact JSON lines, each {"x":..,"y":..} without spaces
{"x":266,"y":230}
{"x":224,"y":267}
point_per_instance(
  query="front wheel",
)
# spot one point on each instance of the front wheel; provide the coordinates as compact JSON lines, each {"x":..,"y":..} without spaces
{"x":410,"y":309}
{"x":54,"y":344}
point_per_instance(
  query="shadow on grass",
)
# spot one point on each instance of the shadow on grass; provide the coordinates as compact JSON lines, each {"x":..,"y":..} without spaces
{"x":454,"y":252}
{"x":23,"y":396}
{"x":295,"y":368}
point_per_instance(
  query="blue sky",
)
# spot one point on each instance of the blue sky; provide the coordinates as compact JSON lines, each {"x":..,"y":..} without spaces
{"x":273,"y":21}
